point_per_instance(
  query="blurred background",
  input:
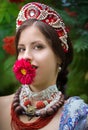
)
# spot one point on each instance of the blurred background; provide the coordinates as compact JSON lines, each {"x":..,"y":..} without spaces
{"x":75,"y":15}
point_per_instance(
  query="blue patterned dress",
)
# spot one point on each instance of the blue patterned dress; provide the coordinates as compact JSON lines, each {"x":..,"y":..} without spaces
{"x":74,"y":115}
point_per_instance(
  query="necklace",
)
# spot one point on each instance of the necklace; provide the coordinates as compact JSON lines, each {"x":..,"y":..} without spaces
{"x":43,"y":104}
{"x":40,"y":104}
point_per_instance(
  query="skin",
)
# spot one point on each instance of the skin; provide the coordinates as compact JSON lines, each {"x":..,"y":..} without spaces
{"x":34,"y":47}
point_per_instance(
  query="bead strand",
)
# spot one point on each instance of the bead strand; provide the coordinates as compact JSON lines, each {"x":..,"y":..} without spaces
{"x":18,"y":109}
{"x":52,"y":109}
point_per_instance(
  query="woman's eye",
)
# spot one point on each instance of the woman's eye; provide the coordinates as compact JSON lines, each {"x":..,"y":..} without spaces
{"x":21,"y":49}
{"x":38,"y":47}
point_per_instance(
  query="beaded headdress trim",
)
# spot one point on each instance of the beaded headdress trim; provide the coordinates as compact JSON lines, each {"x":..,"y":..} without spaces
{"x":46,"y":14}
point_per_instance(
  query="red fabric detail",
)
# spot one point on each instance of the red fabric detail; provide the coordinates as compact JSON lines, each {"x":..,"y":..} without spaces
{"x":19,"y":22}
{"x":60,"y":32}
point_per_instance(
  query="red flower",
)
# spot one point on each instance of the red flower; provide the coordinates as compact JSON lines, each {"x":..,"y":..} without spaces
{"x":24,"y":71}
{"x":9,"y":45}
{"x":16,"y":1}
{"x":70,"y":13}
{"x":86,"y":26}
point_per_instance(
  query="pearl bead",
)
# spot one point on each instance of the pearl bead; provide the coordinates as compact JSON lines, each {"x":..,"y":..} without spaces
{"x":32,"y":13}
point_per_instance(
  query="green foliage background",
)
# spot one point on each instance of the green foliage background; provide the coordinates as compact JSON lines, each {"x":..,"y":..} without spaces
{"x":75,"y":15}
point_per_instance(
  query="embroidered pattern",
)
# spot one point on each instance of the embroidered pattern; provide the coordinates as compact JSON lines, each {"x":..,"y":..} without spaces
{"x":47,"y":15}
{"x":74,"y":115}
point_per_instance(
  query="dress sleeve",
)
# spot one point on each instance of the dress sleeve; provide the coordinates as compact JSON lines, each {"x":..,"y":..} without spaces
{"x":74,"y":115}
{"x":82,"y":124}
{"x":83,"y":117}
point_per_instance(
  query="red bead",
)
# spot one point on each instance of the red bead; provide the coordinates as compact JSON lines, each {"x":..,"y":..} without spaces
{"x":40,"y":104}
{"x":27,"y":102}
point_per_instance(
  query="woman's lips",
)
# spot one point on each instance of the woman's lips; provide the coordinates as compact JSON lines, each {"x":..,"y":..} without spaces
{"x":34,"y":66}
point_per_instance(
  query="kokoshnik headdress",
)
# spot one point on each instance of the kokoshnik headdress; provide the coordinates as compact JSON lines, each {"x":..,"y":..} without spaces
{"x":46,"y":14}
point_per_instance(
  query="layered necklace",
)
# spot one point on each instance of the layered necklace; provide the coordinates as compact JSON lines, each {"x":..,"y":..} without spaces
{"x":43,"y":105}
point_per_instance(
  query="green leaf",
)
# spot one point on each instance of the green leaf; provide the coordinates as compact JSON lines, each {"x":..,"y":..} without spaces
{"x":2,"y":55}
{"x":8,"y":64}
{"x":7,"y":17}
{"x":81,"y":44}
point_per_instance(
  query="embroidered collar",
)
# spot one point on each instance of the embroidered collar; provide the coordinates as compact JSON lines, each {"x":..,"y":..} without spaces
{"x":26,"y":93}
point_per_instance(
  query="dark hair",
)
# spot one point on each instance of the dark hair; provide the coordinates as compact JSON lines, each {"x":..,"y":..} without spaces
{"x":51,"y":35}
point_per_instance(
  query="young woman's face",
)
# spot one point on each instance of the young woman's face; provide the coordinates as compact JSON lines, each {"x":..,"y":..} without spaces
{"x":34,"y":46}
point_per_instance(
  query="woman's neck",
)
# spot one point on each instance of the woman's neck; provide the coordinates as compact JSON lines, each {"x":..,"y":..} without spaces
{"x":38,"y":88}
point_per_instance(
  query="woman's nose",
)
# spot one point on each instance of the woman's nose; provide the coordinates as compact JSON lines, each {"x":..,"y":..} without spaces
{"x":28,"y":55}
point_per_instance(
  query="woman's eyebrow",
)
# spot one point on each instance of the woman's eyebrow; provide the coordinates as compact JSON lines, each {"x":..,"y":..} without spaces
{"x":34,"y":42}
{"x":20,"y":45}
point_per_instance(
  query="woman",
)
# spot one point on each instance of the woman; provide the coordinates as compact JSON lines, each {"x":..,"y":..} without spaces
{"x":44,"y":52}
